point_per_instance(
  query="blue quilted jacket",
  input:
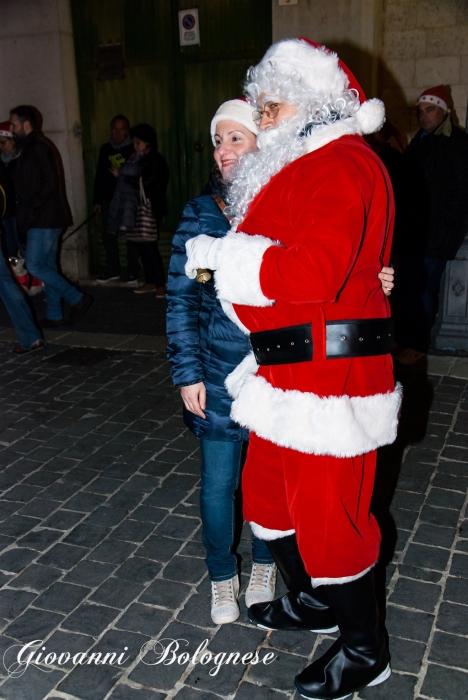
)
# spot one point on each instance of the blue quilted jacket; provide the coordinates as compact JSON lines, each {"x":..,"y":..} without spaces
{"x":204,"y":345}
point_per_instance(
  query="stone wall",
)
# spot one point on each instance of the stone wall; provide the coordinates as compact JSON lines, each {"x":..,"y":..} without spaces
{"x":37,"y":64}
{"x":396,"y":48}
{"x":349,"y":27}
{"x":424,"y":43}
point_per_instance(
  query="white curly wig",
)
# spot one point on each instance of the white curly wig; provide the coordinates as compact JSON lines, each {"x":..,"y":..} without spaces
{"x":298,"y":72}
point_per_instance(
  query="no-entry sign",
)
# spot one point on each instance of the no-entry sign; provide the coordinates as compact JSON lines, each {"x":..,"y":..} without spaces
{"x":189,"y":29}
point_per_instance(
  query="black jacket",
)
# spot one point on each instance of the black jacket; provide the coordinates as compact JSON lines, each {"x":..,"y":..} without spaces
{"x":434,"y":217}
{"x":39,"y":199}
{"x":105,"y":182}
{"x":7,"y":174}
{"x":155,"y":174}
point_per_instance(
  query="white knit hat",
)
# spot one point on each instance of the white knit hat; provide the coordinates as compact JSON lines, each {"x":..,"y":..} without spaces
{"x":237,"y":111}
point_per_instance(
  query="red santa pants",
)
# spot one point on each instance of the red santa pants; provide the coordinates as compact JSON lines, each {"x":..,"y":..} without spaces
{"x":325,"y":499}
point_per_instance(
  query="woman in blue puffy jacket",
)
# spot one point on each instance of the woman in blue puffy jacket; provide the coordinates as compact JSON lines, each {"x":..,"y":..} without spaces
{"x":204,"y":347}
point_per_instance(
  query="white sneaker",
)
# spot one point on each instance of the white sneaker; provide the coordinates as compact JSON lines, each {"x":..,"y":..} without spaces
{"x":261,"y":588}
{"x":224,"y":595}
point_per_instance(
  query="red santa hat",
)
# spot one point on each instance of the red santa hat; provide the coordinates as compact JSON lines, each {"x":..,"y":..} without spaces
{"x":321,"y":70}
{"x":5,"y":130}
{"x":237,"y":111}
{"x":436,"y":96}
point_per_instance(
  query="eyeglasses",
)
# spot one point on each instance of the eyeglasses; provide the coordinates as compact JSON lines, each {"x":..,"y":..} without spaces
{"x":270,"y":110}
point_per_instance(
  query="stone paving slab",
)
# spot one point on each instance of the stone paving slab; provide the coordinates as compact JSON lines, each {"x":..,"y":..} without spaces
{"x":100,"y":542}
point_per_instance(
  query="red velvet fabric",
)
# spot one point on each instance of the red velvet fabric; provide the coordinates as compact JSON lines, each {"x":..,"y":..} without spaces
{"x":326,"y":500}
{"x":333,"y":211}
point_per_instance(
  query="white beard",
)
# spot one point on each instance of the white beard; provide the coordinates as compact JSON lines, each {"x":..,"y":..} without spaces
{"x":276,"y":148}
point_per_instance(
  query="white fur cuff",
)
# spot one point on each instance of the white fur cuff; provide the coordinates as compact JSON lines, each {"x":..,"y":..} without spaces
{"x":342,"y":579}
{"x":237,"y":277}
{"x":235,"y":381}
{"x":263,"y":533}
{"x":232,"y":316}
{"x":340,"y":426}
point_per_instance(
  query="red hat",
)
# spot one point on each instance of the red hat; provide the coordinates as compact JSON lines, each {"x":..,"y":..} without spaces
{"x":5,"y":129}
{"x":371,"y":114}
{"x":436,"y":96}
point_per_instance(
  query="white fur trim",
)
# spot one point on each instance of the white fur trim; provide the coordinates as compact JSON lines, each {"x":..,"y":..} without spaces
{"x":237,"y":276}
{"x":318,"y":68}
{"x":232,"y":316}
{"x":263,"y":533}
{"x":235,"y":381}
{"x":321,"y":135}
{"x":432,"y":99}
{"x":371,"y":116}
{"x":343,"y":579}
{"x":341,"y":426}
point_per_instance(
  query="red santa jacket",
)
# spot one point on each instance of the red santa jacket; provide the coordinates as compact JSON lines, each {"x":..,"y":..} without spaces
{"x":331,"y":211}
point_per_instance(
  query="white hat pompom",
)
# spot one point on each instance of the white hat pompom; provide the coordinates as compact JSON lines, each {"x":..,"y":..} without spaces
{"x":371,"y":115}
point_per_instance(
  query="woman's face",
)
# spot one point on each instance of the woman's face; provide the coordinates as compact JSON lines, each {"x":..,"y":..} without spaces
{"x":7,"y":145}
{"x":232,"y":141}
{"x":139,"y":145}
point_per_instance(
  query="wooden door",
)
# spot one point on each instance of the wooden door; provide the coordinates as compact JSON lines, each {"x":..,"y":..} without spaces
{"x":176,"y":89}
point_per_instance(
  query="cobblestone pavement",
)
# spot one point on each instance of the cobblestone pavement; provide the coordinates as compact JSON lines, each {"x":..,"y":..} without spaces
{"x":101,"y":546}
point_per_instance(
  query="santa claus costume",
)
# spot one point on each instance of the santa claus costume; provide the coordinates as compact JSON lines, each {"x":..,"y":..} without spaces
{"x":314,"y":213}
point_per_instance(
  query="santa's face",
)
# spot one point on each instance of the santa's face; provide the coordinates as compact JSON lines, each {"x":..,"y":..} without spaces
{"x":272,"y":112}
{"x":232,"y":141}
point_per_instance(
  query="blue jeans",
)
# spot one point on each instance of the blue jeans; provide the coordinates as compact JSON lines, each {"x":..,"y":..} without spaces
{"x":221,"y":465}
{"x":41,"y":261}
{"x":18,"y":309}
{"x":12,"y":245}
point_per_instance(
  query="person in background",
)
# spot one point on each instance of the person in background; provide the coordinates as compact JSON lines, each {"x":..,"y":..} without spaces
{"x":112,"y":155}
{"x":41,"y":216}
{"x":9,"y":153}
{"x":30,"y":337}
{"x":432,"y":223}
{"x":390,"y":156}
{"x":147,"y":163}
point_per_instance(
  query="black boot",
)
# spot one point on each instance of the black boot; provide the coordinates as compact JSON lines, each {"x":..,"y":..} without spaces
{"x":359,"y":658}
{"x":303,"y":607}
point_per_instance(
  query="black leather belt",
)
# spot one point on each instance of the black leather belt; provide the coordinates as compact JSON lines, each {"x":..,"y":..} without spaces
{"x":354,"y":338}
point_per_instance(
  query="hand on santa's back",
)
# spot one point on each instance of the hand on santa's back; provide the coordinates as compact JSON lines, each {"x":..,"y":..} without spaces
{"x":386,"y":277}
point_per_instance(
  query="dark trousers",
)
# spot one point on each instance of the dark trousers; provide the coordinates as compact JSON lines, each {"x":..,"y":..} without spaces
{"x":111,"y":248}
{"x":417,"y":288}
{"x":152,"y":263}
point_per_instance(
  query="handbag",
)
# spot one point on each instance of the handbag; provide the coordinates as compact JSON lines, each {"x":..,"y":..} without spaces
{"x":145,"y":229}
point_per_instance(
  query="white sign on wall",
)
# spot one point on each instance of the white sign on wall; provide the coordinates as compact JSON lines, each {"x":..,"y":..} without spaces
{"x":189,"y":29}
